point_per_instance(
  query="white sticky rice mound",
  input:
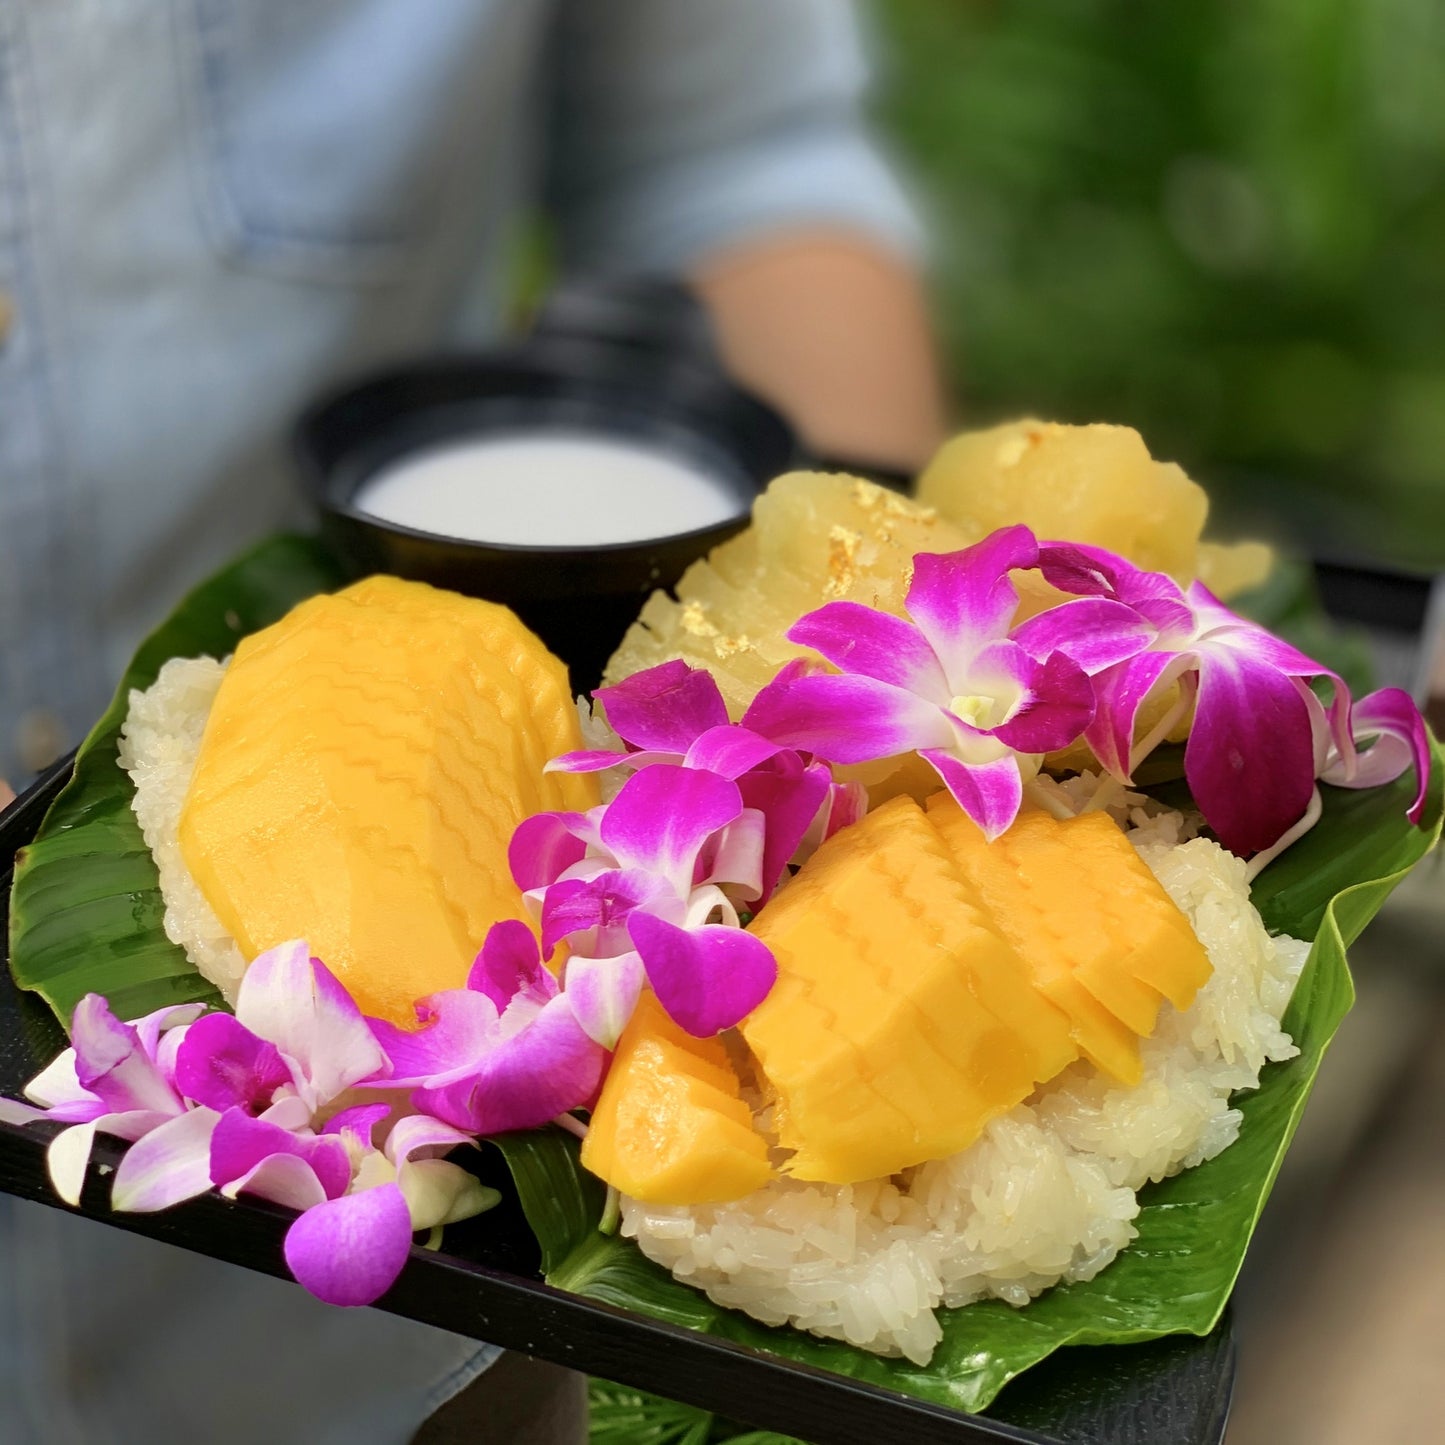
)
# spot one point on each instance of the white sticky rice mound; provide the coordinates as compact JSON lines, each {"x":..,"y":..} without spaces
{"x":1047,"y":1194}
{"x":160,"y":741}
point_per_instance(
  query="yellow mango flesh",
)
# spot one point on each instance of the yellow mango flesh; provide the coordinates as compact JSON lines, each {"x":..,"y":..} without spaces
{"x":671,"y":1126}
{"x":363,"y":768}
{"x":1101,"y":937}
{"x":902,"y":1020}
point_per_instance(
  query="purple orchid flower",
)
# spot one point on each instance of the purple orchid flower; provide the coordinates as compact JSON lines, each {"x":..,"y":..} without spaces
{"x":638,"y":891}
{"x":117,"y":1078}
{"x":1387,"y":737}
{"x":1250,"y":759}
{"x":950,"y":683}
{"x":504,"y":1053}
{"x":674,"y":713}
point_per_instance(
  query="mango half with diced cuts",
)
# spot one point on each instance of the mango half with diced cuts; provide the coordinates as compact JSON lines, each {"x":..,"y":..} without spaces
{"x":928,"y":980}
{"x":362,"y":770}
{"x":671,"y":1126}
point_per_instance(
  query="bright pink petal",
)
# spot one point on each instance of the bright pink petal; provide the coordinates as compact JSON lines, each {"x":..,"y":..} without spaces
{"x":349,"y":1251}
{"x":1096,"y":572}
{"x":111,"y":1063}
{"x":706,"y":978}
{"x":298,"y":1004}
{"x":169,"y":1164}
{"x":990,"y":793}
{"x":510,"y":964}
{"x":545,"y":845}
{"x":1391,"y":723}
{"x":730,"y":751}
{"x":1119,"y":692}
{"x":662,"y":816}
{"x":961,"y":600}
{"x":789,"y":796}
{"x":664,"y":708}
{"x":360,"y":1121}
{"x":1095,"y":631}
{"x":602,"y":993}
{"x":1250,"y":757}
{"x":461,"y":1026}
{"x":221,"y":1063}
{"x":860,"y":640}
{"x":240,"y":1142}
{"x":549,"y":1067}
{"x":847,"y":719}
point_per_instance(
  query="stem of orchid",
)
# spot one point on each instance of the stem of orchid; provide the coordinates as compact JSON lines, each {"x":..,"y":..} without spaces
{"x":434,"y":1239}
{"x":1050,"y":802}
{"x":1188,"y":686}
{"x":571,"y":1125}
{"x":611,"y":1212}
{"x":1261,"y":861}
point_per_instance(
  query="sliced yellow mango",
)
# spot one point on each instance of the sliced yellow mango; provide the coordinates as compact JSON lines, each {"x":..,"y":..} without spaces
{"x":671,"y":1126}
{"x":1101,"y":938}
{"x":363,"y":768}
{"x":901,"y":1021}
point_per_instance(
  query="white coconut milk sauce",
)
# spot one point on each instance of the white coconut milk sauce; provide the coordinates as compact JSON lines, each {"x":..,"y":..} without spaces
{"x":561,"y":488}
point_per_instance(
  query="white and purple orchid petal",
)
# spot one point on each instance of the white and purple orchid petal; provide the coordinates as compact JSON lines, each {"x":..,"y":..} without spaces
{"x":1096,"y":632}
{"x":730,"y":751}
{"x":284,"y":1179}
{"x":57,"y":1087}
{"x":349,"y":1251}
{"x":597,"y":907}
{"x":169,"y":1164}
{"x":847,"y":719}
{"x":662,"y":816}
{"x":545,"y":845}
{"x":990,"y":793}
{"x":603,"y":992}
{"x":1218,"y":627}
{"x":551,"y":1066}
{"x":860,"y":640}
{"x":664,"y":708}
{"x":1056,"y":708}
{"x":1119,"y":692}
{"x":1390,"y":723}
{"x":961,"y":600}
{"x":1249,"y":761}
{"x":14,"y":1112}
{"x":68,"y":1154}
{"x":154,"y":1027}
{"x":792,"y":798}
{"x":298,"y":1004}
{"x":510,"y":964}
{"x":586,"y":760}
{"x":417,"y":1132}
{"x":438,"y":1193}
{"x":1088,"y":571}
{"x":734,"y":855}
{"x":460,"y":1026}
{"x":708,"y":978}
{"x":846,"y":803}
{"x":708,"y":904}
{"x":290,"y":1111}
{"x":360,"y":1121}
{"x":111,"y":1063}
{"x":221,"y":1063}
{"x":239,"y":1143}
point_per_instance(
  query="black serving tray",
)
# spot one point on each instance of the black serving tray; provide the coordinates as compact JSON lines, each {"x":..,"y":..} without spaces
{"x":485,"y":1284}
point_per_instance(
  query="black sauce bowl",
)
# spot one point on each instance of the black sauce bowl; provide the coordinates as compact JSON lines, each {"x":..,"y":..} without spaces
{"x":632,"y":362}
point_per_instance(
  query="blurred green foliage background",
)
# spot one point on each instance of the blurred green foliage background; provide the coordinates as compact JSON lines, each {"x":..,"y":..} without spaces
{"x":1222,"y":222}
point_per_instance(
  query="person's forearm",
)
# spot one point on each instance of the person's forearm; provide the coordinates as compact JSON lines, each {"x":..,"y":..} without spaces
{"x":833,"y":330}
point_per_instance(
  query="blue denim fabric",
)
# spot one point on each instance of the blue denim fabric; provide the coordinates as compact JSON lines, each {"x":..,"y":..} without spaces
{"x":209,"y":210}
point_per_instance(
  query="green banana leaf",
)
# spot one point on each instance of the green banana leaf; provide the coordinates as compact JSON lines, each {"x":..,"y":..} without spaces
{"x":86,"y":911}
{"x":1193,"y":1229}
{"x":86,"y":914}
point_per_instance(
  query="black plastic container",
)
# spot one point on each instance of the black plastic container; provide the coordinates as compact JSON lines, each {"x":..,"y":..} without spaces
{"x":632,"y":360}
